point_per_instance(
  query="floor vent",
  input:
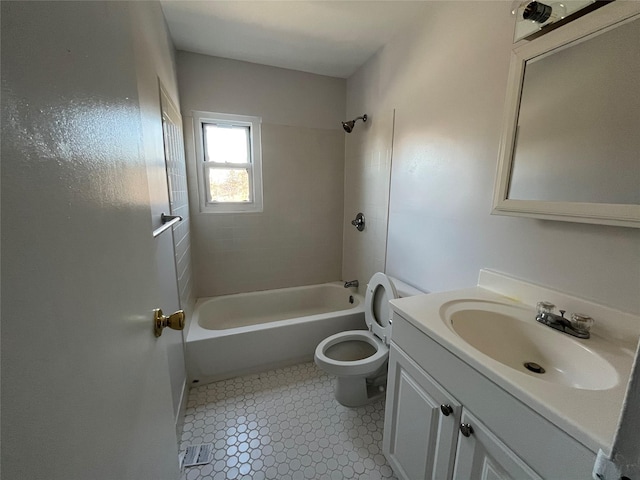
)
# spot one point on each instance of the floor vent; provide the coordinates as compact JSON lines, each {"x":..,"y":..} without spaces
{"x":198,"y":455}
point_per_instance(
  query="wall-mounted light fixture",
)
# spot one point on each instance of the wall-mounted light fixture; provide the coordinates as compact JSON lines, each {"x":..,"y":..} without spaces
{"x":535,"y":18}
{"x":539,"y":12}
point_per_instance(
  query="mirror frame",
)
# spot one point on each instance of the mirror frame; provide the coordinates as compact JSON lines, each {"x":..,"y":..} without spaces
{"x":605,"y":18}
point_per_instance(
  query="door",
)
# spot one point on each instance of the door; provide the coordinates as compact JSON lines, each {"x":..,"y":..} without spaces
{"x":421,"y":421}
{"x":86,"y":391}
{"x":481,"y":455}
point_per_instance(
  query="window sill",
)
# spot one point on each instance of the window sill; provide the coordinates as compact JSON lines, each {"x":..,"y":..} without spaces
{"x":231,"y":208}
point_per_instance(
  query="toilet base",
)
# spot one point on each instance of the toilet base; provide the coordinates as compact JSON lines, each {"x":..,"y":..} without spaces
{"x":358,"y":391}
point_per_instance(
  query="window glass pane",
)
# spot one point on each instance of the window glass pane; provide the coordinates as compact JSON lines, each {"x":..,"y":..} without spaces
{"x":228,"y":185}
{"x":226,"y":143}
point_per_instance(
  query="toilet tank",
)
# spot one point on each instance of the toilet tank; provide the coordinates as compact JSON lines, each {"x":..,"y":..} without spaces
{"x":404,"y":289}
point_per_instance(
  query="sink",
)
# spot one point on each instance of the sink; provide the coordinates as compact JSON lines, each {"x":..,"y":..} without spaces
{"x":510,"y":335}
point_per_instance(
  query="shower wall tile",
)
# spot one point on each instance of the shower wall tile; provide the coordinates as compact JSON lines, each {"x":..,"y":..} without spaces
{"x":367,"y":173}
{"x":297,"y":239}
{"x":179,"y":198}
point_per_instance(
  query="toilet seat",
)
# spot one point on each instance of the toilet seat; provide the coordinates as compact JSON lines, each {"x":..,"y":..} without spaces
{"x":378,"y":319}
{"x":377,"y":313}
{"x":346,"y":368}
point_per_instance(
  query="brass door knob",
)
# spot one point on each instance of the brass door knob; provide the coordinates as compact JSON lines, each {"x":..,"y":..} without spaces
{"x":174,"y":321}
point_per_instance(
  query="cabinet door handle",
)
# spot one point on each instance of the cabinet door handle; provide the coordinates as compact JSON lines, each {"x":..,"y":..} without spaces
{"x":466,"y":429}
{"x":446,"y":410}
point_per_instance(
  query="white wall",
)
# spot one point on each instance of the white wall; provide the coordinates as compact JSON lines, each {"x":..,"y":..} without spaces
{"x":278,"y":95}
{"x":447,"y":82}
{"x":297,"y":239}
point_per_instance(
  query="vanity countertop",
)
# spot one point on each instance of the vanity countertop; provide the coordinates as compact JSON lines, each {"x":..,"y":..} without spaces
{"x":588,"y":415}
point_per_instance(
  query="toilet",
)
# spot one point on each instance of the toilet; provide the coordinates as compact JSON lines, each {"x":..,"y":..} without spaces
{"x":359,"y":358}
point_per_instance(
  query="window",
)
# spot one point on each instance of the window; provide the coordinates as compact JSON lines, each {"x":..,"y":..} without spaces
{"x":229,"y":162}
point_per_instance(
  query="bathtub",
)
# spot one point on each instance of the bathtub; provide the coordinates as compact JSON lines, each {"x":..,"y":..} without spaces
{"x":251,"y":332}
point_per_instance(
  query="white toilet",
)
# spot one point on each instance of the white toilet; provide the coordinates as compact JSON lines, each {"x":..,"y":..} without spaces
{"x":358,"y":358}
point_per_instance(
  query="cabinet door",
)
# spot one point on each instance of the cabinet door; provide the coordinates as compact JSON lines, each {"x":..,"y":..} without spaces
{"x":419,"y":439}
{"x":481,"y":455}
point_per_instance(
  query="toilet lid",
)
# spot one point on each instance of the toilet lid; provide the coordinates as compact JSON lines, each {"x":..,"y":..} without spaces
{"x":377,"y":312}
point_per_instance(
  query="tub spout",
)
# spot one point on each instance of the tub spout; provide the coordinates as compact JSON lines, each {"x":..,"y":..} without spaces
{"x":351,"y":283}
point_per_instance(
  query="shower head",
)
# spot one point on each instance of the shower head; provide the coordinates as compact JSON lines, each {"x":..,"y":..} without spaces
{"x":348,"y":126}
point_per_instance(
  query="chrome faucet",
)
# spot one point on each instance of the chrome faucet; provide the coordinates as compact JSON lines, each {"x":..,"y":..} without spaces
{"x":351,"y":283}
{"x":578,"y":326}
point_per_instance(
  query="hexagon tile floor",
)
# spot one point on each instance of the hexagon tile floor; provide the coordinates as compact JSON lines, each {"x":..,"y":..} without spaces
{"x":283,"y":424}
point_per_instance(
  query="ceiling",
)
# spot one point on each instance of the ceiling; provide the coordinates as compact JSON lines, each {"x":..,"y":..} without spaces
{"x":325,"y":37}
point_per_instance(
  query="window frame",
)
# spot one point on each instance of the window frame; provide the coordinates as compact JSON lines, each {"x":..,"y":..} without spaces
{"x":254,"y":167}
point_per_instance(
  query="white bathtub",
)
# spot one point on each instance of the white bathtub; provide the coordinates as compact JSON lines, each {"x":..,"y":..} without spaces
{"x":251,"y":332}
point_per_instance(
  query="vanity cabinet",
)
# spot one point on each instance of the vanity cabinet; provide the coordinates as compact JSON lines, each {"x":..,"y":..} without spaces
{"x":431,"y":392}
{"x":421,"y":422}
{"x":482,"y":455}
{"x":424,"y":424}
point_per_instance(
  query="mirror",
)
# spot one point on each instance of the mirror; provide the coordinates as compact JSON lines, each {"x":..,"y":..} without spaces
{"x":571,"y":136}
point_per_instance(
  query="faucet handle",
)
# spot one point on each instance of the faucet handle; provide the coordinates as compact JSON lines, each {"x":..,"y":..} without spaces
{"x":582,"y":322}
{"x":545,"y":307}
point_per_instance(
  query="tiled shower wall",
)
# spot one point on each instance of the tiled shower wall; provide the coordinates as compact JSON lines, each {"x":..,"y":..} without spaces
{"x":367,"y":170}
{"x":297,"y":239}
{"x":179,"y":195}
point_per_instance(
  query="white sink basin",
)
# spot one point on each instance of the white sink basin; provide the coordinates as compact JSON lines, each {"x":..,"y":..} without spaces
{"x":510,"y":335}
